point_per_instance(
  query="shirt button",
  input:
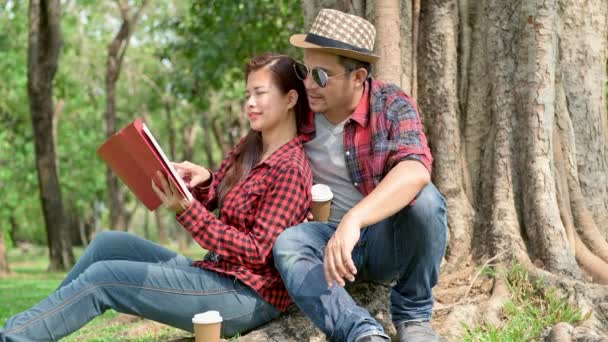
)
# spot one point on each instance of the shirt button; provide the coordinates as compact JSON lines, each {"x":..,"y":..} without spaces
{"x":356,"y":184}
{"x":348,"y":153}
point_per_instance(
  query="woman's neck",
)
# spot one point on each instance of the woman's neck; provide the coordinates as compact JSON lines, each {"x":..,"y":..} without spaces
{"x":273,"y":139}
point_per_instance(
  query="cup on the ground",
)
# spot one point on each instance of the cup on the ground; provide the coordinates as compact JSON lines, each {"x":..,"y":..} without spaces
{"x":207,"y":326}
{"x":321,"y":202}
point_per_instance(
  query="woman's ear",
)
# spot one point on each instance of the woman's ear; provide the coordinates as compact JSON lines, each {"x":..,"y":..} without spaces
{"x":292,"y":98}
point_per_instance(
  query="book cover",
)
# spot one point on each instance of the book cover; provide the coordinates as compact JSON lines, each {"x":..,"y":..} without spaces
{"x":134,"y":155}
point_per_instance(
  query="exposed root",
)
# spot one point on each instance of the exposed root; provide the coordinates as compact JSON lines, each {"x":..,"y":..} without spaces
{"x":500,"y":294}
{"x":468,"y":314}
{"x":590,"y":248}
{"x":591,"y":263}
{"x":561,"y":332}
{"x":587,"y":228}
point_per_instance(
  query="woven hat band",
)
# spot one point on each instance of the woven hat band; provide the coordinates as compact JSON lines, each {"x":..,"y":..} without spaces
{"x":332,"y":43}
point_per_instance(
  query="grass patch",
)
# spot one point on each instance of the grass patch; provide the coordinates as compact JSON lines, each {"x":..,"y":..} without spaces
{"x":531,"y":308}
{"x":29,"y":283}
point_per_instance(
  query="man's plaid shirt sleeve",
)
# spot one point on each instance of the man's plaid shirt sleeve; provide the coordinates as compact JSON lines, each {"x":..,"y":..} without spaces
{"x":284,"y":199}
{"x":407,"y":132}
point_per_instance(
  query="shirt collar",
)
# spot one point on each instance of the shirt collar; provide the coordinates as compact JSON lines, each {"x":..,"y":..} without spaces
{"x":279,"y":155}
{"x":360,"y":114}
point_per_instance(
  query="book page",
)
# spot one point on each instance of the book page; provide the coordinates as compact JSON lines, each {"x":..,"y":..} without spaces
{"x":170,"y":167}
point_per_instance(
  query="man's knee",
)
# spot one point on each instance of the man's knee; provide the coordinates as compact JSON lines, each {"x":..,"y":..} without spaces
{"x":428,"y":211}
{"x":429,"y":202}
{"x":425,"y":222}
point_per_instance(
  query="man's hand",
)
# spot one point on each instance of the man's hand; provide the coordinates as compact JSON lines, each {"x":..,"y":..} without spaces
{"x":338,"y":262}
{"x":169,"y":195}
{"x":191,"y":173}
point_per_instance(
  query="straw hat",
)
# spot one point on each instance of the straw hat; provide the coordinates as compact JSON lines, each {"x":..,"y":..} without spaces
{"x":341,"y":34}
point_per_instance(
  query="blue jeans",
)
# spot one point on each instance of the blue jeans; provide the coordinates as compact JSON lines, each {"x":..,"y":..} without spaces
{"x":131,"y":275}
{"x":405,"y":249}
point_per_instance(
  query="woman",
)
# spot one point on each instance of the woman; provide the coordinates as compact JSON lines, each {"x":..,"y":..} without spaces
{"x":262,"y":187}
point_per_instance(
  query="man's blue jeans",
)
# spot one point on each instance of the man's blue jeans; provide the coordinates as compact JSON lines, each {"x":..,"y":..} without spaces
{"x":135,"y":276}
{"x":406,"y":249}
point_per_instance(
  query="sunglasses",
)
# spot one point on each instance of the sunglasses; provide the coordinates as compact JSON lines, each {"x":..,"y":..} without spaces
{"x":318,"y":75}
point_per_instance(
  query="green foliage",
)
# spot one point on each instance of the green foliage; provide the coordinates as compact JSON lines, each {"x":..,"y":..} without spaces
{"x":217,"y":38}
{"x":531,"y":308}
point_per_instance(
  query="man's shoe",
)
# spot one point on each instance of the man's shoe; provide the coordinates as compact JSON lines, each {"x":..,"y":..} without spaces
{"x":416,"y":332}
{"x":373,"y":338}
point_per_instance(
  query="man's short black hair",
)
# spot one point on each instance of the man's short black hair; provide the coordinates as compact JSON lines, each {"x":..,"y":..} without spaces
{"x":352,"y":64}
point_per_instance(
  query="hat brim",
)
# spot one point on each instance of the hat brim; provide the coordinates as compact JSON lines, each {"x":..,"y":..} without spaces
{"x":299,"y":40}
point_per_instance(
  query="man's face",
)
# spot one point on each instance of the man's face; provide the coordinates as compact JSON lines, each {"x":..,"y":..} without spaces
{"x":339,"y":90}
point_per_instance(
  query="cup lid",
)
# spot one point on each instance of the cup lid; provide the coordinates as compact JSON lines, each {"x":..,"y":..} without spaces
{"x":321,"y":193}
{"x":207,"y":317}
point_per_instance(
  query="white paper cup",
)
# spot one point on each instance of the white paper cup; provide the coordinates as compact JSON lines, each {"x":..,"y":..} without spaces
{"x":207,"y":326}
{"x":321,"y":202}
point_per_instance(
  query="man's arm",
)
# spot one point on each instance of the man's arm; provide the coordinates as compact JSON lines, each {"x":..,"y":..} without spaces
{"x":393,"y":193}
{"x":398,"y":188}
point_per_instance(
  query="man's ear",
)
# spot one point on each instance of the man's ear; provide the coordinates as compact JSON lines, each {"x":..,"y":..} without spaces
{"x":292,"y":98}
{"x":360,"y":75}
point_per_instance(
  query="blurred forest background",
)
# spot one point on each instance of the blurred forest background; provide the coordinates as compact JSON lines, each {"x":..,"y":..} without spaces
{"x":178,"y":64}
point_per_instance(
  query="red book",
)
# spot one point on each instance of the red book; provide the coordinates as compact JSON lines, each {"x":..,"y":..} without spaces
{"x":134,"y":156}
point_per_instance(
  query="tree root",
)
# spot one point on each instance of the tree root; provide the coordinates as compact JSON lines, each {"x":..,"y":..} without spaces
{"x":493,"y":307}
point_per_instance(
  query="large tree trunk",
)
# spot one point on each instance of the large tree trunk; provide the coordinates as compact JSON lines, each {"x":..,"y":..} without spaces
{"x":116,"y":53}
{"x":387,"y":23}
{"x":4,"y":267}
{"x":513,"y":99}
{"x":43,"y":53}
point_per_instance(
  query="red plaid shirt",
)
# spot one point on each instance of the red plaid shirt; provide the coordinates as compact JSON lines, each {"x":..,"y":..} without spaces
{"x":384,"y":129}
{"x":275,"y":195}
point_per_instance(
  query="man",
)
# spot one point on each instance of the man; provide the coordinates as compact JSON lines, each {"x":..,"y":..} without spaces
{"x":387,"y":221}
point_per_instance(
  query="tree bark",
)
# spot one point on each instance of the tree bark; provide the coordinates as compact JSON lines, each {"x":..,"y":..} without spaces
{"x":43,"y":53}
{"x":388,"y":40}
{"x":4,"y":266}
{"x":116,"y":53}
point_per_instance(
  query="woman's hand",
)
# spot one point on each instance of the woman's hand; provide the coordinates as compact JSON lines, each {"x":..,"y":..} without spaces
{"x":169,"y":195}
{"x":191,"y":173}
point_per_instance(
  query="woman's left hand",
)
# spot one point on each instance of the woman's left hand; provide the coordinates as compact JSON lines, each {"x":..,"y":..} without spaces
{"x":169,"y":195}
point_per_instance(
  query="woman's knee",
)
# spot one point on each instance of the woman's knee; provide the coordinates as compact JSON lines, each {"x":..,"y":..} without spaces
{"x":108,"y":237}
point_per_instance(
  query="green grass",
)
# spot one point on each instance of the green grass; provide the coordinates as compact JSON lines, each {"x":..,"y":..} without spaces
{"x":532,"y":308}
{"x":29,"y":283}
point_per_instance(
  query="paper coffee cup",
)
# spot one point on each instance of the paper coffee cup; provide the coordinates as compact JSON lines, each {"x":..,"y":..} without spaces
{"x":207,"y":326}
{"x":321,"y":202}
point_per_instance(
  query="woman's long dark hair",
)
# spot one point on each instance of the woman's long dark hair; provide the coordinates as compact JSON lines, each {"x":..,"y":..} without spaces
{"x":248,"y":153}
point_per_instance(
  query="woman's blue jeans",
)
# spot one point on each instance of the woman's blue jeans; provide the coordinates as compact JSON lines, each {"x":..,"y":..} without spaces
{"x":405,"y":250}
{"x":131,"y":275}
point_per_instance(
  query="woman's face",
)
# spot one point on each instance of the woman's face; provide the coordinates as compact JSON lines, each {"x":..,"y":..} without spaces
{"x":266,"y":106}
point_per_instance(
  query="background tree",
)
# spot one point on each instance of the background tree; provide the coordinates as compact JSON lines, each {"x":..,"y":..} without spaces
{"x":43,"y":53}
{"x":119,"y":217}
{"x":4,"y":266}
